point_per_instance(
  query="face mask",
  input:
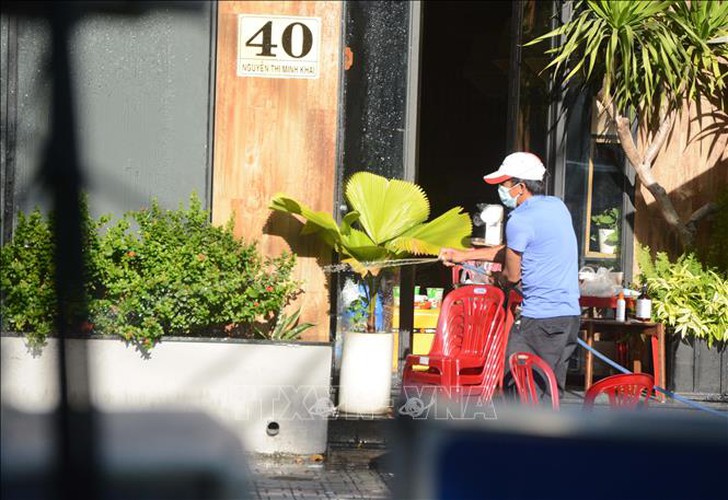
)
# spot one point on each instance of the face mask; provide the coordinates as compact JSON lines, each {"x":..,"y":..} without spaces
{"x":506,"y":198}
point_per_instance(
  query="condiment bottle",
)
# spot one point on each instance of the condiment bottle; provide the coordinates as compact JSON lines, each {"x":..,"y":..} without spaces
{"x":643,"y":307}
{"x":620,"y":313}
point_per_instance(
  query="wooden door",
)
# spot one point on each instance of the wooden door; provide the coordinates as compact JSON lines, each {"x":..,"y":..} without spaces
{"x":278,"y":135}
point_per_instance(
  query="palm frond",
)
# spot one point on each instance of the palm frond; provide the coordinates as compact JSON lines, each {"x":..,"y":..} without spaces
{"x":358,"y":245}
{"x":387,"y":207}
{"x":321,"y":223}
{"x":387,"y":222}
{"x":449,"y":230}
{"x":642,"y":53}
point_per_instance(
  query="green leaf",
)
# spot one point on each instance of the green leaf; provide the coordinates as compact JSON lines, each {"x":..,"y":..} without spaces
{"x":286,"y":327}
{"x":449,"y":230}
{"x":387,"y":207}
{"x":684,"y":294}
{"x":642,"y":53}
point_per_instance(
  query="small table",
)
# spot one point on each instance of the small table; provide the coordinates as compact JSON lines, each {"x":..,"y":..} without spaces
{"x":630,"y":327}
{"x":425,"y":322}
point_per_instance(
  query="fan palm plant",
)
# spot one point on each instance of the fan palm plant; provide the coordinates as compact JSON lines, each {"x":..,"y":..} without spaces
{"x":387,"y":222}
{"x":645,"y":60}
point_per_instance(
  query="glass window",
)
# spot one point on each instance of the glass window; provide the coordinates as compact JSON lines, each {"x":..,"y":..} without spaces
{"x":594,"y":185}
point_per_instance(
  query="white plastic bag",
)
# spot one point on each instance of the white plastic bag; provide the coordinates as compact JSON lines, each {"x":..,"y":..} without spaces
{"x":599,"y":283}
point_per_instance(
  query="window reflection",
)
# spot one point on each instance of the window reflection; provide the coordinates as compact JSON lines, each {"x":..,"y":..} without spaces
{"x":604,"y":200}
{"x":594,"y":185}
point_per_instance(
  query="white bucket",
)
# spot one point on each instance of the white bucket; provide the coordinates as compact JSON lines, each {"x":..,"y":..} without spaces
{"x":365,"y":381}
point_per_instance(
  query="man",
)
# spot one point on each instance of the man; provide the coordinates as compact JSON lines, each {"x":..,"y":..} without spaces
{"x":540,"y":253}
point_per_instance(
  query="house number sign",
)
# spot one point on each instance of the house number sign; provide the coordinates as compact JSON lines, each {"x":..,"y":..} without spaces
{"x":278,"y":46}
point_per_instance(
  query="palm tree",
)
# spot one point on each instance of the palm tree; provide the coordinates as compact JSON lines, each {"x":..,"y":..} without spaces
{"x":387,"y":222}
{"x":645,"y":60}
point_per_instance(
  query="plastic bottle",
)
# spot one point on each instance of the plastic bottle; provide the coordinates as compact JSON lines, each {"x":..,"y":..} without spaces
{"x":620,"y":313}
{"x":643,"y":307}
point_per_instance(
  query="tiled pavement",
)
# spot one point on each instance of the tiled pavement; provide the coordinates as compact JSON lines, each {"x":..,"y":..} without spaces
{"x":346,"y":474}
{"x":352,"y":468}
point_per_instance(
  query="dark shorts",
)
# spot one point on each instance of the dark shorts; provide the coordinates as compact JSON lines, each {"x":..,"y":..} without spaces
{"x":552,"y":339}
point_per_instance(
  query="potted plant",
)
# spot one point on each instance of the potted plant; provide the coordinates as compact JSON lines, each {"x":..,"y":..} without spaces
{"x":175,"y":309}
{"x":607,"y":223}
{"x":691,"y":300}
{"x":387,"y":222}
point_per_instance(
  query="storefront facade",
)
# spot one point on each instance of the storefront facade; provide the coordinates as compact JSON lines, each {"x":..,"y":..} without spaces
{"x":433,"y":92}
{"x":241,"y":100}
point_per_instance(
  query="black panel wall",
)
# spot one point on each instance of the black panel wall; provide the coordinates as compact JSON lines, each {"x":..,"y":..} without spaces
{"x":374,"y":95}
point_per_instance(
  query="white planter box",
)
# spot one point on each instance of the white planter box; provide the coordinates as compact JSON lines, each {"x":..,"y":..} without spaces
{"x":273,"y":396}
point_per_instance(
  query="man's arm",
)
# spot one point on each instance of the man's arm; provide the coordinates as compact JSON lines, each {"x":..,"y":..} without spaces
{"x":450,"y":256}
{"x":512,"y":267}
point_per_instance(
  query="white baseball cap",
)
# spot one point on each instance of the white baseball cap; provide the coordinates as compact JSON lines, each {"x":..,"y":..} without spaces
{"x":526,"y":166}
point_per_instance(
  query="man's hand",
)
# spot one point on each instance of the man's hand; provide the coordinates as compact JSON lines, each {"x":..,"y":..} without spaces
{"x":445,"y":256}
{"x":450,"y":256}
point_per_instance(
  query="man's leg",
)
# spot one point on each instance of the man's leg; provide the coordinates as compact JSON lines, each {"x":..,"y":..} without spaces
{"x":554,"y":340}
{"x":572,"y":326}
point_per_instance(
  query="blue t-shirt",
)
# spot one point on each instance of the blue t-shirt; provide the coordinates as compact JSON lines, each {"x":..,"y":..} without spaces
{"x":541,"y":230}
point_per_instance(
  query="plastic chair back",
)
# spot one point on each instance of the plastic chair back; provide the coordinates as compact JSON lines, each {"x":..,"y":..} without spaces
{"x":477,"y":273}
{"x":461,"y":276}
{"x":476,"y":339}
{"x":468,"y":316}
{"x":481,"y":374}
{"x":513,"y":301}
{"x":522,"y":365}
{"x":625,"y":390}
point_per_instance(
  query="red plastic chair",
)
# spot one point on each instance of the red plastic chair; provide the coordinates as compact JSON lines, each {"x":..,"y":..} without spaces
{"x":513,"y":301}
{"x":522,"y":364}
{"x":625,"y":390}
{"x":466,"y":356}
{"x":494,"y":368}
{"x":460,"y":275}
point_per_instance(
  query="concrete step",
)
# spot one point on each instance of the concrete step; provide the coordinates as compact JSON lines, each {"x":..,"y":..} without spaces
{"x":360,"y":430}
{"x":363,"y":430}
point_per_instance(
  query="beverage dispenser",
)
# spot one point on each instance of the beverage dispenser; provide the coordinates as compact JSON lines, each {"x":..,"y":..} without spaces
{"x":488,"y":222}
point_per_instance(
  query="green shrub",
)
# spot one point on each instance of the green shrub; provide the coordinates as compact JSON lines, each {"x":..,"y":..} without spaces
{"x":28,"y":271}
{"x":29,"y":297}
{"x":688,"y":297}
{"x":153,"y":272}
